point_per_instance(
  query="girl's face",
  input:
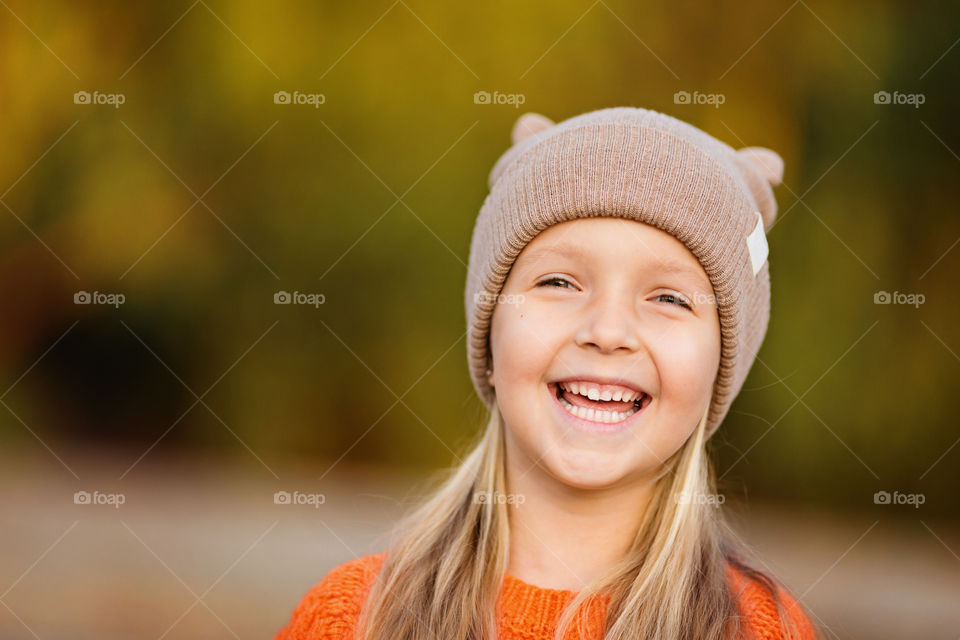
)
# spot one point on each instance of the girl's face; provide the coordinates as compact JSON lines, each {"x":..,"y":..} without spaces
{"x":615,"y":309}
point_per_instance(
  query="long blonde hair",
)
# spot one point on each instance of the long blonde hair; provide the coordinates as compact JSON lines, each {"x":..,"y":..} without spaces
{"x":447,"y":557}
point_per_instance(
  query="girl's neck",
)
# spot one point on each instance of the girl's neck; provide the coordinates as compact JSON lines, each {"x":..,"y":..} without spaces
{"x":562,"y":537}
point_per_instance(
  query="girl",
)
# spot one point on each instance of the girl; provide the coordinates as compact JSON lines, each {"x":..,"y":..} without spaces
{"x":617,"y":294}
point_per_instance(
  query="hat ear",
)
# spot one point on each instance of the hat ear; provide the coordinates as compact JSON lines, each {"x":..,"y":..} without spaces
{"x":766,"y":161}
{"x":529,"y":124}
{"x":762,"y":169}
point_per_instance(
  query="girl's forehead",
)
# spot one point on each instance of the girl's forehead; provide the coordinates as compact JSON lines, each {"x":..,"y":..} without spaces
{"x":600,"y":236}
{"x":608,"y":228}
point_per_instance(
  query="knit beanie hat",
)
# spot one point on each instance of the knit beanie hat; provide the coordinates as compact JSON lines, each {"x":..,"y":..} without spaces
{"x":640,"y":165}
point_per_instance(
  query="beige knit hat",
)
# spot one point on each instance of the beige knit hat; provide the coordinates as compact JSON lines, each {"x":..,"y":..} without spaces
{"x":640,"y":165}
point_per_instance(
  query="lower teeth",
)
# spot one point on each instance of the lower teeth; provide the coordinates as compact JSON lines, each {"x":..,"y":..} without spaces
{"x":597,"y":416}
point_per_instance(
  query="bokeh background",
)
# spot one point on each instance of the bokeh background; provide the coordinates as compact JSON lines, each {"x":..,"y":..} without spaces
{"x":159,"y":190}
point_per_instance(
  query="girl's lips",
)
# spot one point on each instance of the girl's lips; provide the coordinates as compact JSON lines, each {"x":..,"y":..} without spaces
{"x":590,"y":426}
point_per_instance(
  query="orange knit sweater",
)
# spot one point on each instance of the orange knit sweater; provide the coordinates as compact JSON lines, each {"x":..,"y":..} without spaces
{"x":329,"y":611}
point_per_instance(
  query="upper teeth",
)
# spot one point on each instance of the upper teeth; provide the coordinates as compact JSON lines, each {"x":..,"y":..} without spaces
{"x":592,"y":391}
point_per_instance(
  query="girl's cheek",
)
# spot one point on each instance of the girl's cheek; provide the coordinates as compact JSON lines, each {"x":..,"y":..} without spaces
{"x":528,"y":322}
{"x":512,"y":336}
{"x":524,"y":340}
{"x":686,"y":363}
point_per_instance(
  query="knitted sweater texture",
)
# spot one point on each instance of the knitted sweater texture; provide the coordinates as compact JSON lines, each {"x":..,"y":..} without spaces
{"x":329,"y":611}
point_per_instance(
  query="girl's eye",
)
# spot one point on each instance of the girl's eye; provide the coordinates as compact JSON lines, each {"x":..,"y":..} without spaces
{"x":677,"y":300}
{"x":554,"y":279}
{"x":563,"y":282}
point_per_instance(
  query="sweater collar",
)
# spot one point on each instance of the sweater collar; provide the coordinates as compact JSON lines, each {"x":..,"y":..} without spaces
{"x":534,"y":611}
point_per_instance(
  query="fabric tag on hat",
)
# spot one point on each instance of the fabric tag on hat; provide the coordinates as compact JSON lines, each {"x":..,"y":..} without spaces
{"x":757,"y":245}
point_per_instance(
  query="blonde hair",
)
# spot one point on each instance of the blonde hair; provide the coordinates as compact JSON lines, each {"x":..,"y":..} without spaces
{"x":442,"y":573}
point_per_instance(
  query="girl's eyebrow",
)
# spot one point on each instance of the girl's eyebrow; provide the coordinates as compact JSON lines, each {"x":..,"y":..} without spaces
{"x":569,"y":250}
{"x":672,"y":266}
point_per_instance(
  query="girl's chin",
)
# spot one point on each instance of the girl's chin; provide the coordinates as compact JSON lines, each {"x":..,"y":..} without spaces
{"x":590,"y":470}
{"x":588,"y":481}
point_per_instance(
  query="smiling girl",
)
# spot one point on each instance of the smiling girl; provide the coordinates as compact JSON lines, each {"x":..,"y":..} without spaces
{"x":617,"y":295}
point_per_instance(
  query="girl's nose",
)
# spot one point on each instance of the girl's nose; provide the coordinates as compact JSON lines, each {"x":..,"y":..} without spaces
{"x":609,"y":323}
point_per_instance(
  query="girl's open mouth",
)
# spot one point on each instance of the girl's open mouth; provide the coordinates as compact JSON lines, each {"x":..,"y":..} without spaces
{"x":596,"y":414}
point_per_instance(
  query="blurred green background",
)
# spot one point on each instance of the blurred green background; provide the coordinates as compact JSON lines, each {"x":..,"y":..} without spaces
{"x":200,"y":197}
{"x":297,"y":197}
